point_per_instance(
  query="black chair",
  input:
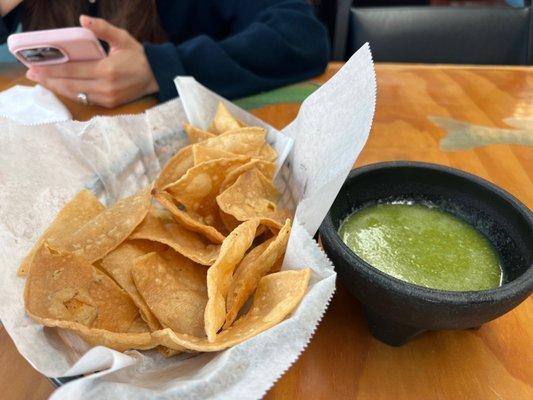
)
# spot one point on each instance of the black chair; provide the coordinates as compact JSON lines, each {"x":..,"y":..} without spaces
{"x":459,"y":35}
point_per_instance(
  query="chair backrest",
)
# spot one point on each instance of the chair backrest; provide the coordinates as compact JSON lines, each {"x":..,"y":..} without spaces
{"x":461,"y":35}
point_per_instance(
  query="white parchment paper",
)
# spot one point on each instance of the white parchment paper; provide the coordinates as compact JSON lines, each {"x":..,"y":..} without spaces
{"x":30,"y":105}
{"x":42,"y":167}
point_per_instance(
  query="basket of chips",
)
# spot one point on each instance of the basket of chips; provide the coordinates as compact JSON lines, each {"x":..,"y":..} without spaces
{"x":185,"y":279}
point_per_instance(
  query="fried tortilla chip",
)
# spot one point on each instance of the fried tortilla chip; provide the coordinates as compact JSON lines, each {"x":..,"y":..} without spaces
{"x":229,"y":221}
{"x":108,"y":229}
{"x":62,"y":286}
{"x":267,"y":153}
{"x":277,"y":265}
{"x":257,"y":263}
{"x":175,"y":290}
{"x":187,"y":219}
{"x":185,"y":242}
{"x":198,"y":188}
{"x":139,"y":326}
{"x":252,"y":196}
{"x":176,"y":167}
{"x":82,"y":208}
{"x":241,"y":123}
{"x":223,"y":121}
{"x":249,"y":143}
{"x":119,"y":263}
{"x":203,"y":153}
{"x":166,"y":352}
{"x":246,"y":130}
{"x":276,"y":297}
{"x":196,"y":135}
{"x":267,"y":168}
{"x":219,"y":274}
{"x":101,"y":337}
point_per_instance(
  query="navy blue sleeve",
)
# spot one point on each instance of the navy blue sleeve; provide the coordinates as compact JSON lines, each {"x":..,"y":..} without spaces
{"x":272,"y":43}
{"x":8,"y":23}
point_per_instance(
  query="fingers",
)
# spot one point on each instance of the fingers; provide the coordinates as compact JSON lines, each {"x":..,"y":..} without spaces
{"x":74,"y":70}
{"x":104,"y":30}
{"x":70,"y":88}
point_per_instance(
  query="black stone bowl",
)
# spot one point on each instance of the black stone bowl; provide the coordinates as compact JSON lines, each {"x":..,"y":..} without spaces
{"x":396,"y":310}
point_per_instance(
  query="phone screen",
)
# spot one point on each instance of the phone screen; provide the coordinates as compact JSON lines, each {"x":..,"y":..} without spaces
{"x":40,"y":54}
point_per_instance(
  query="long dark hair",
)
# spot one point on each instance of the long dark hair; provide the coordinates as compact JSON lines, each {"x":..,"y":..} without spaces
{"x":138,"y":17}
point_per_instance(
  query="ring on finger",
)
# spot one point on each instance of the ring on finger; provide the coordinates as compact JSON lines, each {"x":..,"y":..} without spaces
{"x":82,"y":98}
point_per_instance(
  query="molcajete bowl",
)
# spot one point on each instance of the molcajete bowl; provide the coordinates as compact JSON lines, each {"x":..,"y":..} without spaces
{"x":396,"y":310}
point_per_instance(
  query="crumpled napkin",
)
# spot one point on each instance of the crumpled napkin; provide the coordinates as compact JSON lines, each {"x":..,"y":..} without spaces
{"x":31,"y":105}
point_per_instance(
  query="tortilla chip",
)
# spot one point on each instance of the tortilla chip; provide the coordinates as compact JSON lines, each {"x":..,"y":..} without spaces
{"x":119,"y":263}
{"x":196,"y":135}
{"x":79,"y":210}
{"x":229,"y":221}
{"x":276,"y":297}
{"x":248,"y":143}
{"x":166,"y":352}
{"x":62,"y":286}
{"x":175,"y":290}
{"x":267,"y":153}
{"x":101,"y":337}
{"x":246,"y":130}
{"x":198,"y":188}
{"x":108,"y":229}
{"x":176,"y":167}
{"x":187,"y":219}
{"x":252,"y":196}
{"x":187,"y":243}
{"x":256,"y":264}
{"x":219,"y":274}
{"x":241,"y":123}
{"x":267,"y":168}
{"x":139,"y":326}
{"x":277,"y":265}
{"x":202,"y":154}
{"x":223,"y":121}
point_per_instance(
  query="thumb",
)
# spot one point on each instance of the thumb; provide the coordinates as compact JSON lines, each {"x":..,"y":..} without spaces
{"x":104,"y":30}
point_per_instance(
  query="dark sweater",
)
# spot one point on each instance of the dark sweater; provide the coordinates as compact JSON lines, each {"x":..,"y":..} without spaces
{"x":234,"y":47}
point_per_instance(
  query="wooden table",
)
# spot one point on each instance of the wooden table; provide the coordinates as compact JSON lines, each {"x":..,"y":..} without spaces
{"x":343,"y":361}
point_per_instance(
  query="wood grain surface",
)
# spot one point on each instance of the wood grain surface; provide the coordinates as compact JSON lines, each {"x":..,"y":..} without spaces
{"x":343,"y":361}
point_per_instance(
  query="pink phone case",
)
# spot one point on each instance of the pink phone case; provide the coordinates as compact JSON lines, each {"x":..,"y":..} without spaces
{"x":65,"y":45}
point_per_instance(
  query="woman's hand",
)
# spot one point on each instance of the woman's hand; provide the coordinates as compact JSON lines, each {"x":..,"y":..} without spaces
{"x":124,"y":75}
{"x":6,"y":6}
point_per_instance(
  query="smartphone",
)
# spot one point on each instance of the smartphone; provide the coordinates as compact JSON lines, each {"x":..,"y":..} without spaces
{"x":55,"y":46}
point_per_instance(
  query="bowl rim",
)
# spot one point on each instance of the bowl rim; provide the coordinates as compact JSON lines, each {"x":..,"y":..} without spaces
{"x":523,"y":283}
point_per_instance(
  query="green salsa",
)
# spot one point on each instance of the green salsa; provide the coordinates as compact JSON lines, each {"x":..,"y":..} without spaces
{"x":422,"y":245}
